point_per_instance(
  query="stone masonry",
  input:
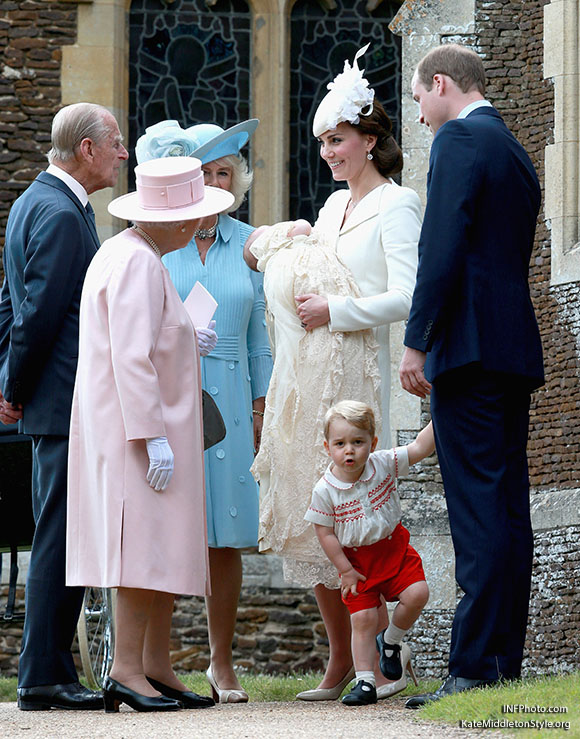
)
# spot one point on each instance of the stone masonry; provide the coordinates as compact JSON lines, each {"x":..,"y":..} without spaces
{"x":279,"y":629}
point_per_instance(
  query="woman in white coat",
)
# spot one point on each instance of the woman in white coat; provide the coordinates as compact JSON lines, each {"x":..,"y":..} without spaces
{"x":136,"y":504}
{"x":375,"y":225}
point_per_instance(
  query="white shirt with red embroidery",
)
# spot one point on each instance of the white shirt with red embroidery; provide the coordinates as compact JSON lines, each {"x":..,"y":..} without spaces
{"x":365,"y":511}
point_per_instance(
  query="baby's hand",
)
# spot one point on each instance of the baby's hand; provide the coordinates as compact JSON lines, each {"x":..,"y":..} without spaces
{"x":299,"y":228}
{"x":349,"y":581}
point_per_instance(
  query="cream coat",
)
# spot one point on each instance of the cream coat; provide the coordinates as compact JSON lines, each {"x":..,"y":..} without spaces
{"x":378,"y":243}
{"x":138,"y":377}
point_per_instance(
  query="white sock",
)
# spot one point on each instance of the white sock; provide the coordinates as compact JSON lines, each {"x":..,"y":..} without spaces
{"x":393,"y":634}
{"x":367,"y":675}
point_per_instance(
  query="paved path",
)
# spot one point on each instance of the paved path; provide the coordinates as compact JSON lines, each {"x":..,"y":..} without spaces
{"x":253,"y":720}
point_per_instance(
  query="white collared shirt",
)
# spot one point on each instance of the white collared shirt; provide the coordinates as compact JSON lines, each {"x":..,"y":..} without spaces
{"x":70,"y":182}
{"x":472,"y":106}
{"x":365,"y":511}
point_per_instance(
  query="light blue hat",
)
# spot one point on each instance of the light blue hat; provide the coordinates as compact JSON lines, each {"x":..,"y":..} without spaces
{"x":205,"y":141}
{"x":213,"y":142}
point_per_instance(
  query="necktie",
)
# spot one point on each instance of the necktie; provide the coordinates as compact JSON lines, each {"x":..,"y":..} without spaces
{"x":90,"y":213}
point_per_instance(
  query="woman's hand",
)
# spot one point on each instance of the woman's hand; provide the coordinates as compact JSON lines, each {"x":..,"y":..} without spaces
{"x":258,"y":406}
{"x":349,"y":580}
{"x":160,"y":462}
{"x":206,"y":338}
{"x":312,"y":310}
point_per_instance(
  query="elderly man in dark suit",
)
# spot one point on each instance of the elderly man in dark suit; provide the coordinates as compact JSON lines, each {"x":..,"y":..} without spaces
{"x":473,"y":343}
{"x":50,"y":241}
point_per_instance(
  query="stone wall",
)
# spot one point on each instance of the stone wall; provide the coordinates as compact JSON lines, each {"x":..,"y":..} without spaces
{"x":510,"y":37}
{"x":31,"y":36}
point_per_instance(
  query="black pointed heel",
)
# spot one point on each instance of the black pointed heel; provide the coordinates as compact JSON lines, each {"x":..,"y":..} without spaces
{"x":115,"y":693}
{"x":187,"y":698}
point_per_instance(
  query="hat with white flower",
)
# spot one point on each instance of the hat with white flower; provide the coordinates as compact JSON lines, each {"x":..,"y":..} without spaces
{"x":349,"y":98}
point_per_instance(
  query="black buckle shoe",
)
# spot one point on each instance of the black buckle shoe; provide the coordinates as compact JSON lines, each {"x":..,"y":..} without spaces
{"x":390,"y":658}
{"x":451,"y":686}
{"x":69,"y":696}
{"x":363,"y":694}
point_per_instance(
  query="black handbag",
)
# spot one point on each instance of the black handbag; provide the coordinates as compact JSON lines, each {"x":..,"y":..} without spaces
{"x":214,"y":428}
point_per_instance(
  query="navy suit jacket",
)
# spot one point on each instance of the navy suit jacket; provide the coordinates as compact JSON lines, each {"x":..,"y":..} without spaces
{"x":471,"y":302}
{"x":50,"y":241}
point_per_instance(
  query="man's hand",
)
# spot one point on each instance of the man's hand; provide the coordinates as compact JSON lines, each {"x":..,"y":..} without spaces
{"x":411,"y":373}
{"x":312,"y":310}
{"x":9,"y":413}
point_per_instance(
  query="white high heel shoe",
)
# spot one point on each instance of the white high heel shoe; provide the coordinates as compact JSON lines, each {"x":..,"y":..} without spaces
{"x":225,"y":696}
{"x":327,"y":694}
{"x":390,"y":689}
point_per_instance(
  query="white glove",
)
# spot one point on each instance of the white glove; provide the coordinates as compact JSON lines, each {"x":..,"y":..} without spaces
{"x":160,"y":462}
{"x":206,"y":338}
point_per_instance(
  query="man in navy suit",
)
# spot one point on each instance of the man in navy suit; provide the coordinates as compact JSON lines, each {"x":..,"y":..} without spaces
{"x":472,"y":342}
{"x":50,"y":241}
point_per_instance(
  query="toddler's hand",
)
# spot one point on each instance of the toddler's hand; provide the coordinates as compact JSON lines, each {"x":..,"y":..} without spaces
{"x":349,"y":581}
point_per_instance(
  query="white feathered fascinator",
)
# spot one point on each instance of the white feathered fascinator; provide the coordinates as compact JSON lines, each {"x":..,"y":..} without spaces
{"x":350,"y":97}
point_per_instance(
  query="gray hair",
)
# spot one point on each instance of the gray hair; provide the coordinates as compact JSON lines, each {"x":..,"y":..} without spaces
{"x":242,"y":177}
{"x":74,"y":123}
{"x":162,"y":225}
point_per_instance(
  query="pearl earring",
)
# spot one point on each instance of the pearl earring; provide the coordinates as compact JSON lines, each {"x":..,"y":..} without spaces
{"x":369,"y":156}
{"x":183,"y":229}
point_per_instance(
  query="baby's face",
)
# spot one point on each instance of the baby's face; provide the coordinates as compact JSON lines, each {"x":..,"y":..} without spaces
{"x":249,"y":258}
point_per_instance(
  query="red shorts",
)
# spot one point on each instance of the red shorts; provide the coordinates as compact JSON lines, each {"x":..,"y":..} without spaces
{"x":390,"y":566}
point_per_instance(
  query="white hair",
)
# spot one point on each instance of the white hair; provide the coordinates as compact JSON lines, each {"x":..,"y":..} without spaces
{"x":71,"y":125}
{"x":242,"y":177}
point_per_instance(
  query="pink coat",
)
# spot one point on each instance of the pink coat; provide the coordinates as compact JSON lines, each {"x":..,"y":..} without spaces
{"x":138,"y":377}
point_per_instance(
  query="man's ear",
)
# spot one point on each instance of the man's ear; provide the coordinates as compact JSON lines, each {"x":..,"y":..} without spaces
{"x":86,"y":149}
{"x":439,"y":82}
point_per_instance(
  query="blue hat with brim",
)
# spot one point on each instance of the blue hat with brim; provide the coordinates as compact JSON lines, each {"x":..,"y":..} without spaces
{"x":205,"y":141}
{"x":213,"y":142}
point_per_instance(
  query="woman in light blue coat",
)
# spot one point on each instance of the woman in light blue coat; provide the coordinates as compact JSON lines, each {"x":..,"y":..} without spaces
{"x":236,"y":373}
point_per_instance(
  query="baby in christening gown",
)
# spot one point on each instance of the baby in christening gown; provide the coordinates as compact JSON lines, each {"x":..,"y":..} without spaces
{"x":313,"y":370}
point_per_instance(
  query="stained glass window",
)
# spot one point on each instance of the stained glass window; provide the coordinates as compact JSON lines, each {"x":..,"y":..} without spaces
{"x":320,"y":42}
{"x":189,"y":63}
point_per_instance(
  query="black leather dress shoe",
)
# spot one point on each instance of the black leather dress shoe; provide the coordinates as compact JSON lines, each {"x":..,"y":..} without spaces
{"x":187,"y":698}
{"x":451,"y":686}
{"x":70,"y":696}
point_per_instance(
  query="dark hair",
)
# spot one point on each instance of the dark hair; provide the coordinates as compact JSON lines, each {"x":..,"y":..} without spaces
{"x":387,"y":155}
{"x":458,"y":62}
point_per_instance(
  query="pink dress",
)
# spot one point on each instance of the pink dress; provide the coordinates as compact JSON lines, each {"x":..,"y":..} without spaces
{"x":138,"y":377}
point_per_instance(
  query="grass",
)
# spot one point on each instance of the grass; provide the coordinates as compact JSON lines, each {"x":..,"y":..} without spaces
{"x":559,"y":692}
{"x":474,"y":705}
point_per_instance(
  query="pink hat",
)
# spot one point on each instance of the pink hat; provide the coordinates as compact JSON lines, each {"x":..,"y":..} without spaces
{"x":170,"y":189}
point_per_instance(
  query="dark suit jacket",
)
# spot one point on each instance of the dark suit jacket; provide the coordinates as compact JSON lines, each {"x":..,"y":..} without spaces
{"x":471,"y":301}
{"x":50,"y":241}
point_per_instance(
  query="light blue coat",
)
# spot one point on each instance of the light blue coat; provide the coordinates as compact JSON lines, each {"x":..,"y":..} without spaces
{"x":236,"y":372}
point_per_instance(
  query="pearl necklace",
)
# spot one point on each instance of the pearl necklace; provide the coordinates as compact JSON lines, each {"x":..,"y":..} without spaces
{"x":206,"y":233}
{"x":147,"y":238}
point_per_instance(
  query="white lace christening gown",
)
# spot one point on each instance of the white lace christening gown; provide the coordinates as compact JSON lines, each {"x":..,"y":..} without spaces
{"x":312,"y":371}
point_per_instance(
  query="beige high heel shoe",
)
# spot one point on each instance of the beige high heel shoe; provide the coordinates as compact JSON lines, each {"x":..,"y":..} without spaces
{"x":327,"y":694}
{"x":225,"y":696}
{"x":390,"y":689}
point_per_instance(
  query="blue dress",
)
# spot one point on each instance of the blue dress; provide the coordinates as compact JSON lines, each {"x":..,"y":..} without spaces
{"x":236,"y":372}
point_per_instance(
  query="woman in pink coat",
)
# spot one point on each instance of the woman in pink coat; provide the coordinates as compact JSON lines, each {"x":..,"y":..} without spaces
{"x":136,"y":506}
